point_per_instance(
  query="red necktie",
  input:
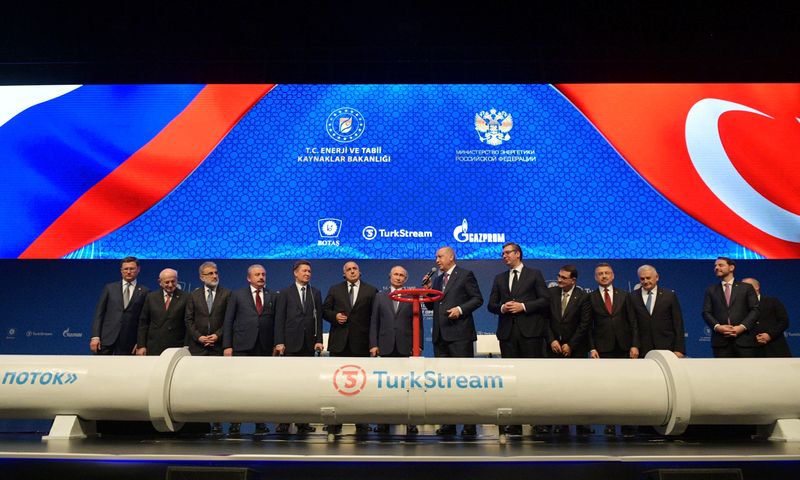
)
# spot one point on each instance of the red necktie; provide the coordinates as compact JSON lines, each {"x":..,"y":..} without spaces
{"x":259,"y":305}
{"x":166,"y":302}
{"x":608,"y":301}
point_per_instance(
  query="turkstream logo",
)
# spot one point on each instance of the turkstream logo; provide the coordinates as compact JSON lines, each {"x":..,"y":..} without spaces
{"x":350,"y":380}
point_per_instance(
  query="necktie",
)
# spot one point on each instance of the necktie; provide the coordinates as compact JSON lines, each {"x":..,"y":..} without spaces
{"x":564,"y":301}
{"x":126,"y":295}
{"x":514,"y":280}
{"x":303,"y":297}
{"x":259,"y":303}
{"x":444,"y":281}
{"x":649,"y":303}
{"x":608,"y":301}
{"x":727,"y":293}
{"x":352,"y":294}
{"x":167,"y":300}
{"x":210,"y":299}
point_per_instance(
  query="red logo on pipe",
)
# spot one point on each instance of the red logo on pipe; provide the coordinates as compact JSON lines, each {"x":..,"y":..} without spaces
{"x":349,"y":380}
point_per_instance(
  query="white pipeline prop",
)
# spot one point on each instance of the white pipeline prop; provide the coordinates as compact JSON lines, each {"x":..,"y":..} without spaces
{"x":661,"y":390}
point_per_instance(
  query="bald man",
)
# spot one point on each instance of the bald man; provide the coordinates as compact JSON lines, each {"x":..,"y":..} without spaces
{"x":161,"y":324}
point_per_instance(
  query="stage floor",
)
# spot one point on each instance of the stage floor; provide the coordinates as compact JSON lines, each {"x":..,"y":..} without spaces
{"x":423,"y":456}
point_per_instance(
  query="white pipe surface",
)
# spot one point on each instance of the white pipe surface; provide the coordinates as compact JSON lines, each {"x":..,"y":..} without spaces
{"x":661,"y":390}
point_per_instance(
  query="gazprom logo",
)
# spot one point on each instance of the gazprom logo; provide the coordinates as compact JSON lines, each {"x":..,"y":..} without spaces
{"x":431,"y":379}
{"x":461,"y":234}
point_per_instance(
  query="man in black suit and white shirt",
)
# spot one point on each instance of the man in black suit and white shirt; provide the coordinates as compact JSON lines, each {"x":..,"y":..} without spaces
{"x":772,"y":322}
{"x":348,"y":308}
{"x":658,"y":315}
{"x":520,"y":299}
{"x":116,"y":317}
{"x":730,"y":309}
{"x":162,"y":324}
{"x":249,"y":328}
{"x":298,"y":323}
{"x":453,"y":325}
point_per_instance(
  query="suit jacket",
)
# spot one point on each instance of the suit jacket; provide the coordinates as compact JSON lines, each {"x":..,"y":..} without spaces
{"x":462,"y":291}
{"x":573,"y":327}
{"x":663,"y":330}
{"x":113,"y":323}
{"x":392,"y":332}
{"x":201,"y":322}
{"x":293,"y":325}
{"x":618,"y":327}
{"x":531,"y":291}
{"x":244,"y":326}
{"x":743,"y":310}
{"x":354,"y":332}
{"x":773,"y":319}
{"x":159,"y":328}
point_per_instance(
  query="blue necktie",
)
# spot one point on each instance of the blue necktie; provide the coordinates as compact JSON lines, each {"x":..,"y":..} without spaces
{"x":649,"y":303}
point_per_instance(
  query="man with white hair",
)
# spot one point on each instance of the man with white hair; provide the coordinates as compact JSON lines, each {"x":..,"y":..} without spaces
{"x":658,"y":314}
{"x":161,"y":324}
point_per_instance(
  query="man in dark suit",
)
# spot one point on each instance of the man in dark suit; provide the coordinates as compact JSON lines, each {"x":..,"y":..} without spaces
{"x":520,"y":300}
{"x":391,"y":328}
{"x":568,"y":332}
{"x":772,"y":322}
{"x":453,"y":325}
{"x":730,"y":309}
{"x":205,"y":313}
{"x":658,"y":315}
{"x":162,"y":322}
{"x":298,"y":323}
{"x":615,"y":333}
{"x":347,"y":308}
{"x":570,"y":316}
{"x":249,"y":326}
{"x":116,"y":317}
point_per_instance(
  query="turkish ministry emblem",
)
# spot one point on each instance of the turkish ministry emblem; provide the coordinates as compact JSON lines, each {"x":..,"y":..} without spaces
{"x":493,"y":127}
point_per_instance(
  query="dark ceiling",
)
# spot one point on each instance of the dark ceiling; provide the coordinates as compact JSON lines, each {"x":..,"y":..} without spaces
{"x":399,"y":42}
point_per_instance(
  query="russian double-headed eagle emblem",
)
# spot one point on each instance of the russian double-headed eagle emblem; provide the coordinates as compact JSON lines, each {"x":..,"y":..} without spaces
{"x":493,"y":126}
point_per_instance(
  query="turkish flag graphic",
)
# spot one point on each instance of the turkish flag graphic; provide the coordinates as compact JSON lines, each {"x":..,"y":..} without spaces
{"x":726,"y":154}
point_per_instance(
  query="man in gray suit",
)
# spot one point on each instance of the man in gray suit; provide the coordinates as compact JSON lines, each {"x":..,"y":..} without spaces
{"x":391,"y":329}
{"x":205,"y":313}
{"x":730,"y":309}
{"x":116,"y":318}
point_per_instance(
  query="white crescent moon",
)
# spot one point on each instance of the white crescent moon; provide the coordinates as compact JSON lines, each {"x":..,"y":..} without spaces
{"x":715,"y":168}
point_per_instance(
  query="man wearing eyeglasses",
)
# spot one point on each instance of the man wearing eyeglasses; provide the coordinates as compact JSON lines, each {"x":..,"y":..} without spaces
{"x":520,"y":300}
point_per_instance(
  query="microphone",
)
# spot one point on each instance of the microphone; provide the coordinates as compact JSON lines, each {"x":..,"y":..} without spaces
{"x":428,"y":276}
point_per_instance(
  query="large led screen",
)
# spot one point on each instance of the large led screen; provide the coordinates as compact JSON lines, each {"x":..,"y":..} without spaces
{"x":395,"y":171}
